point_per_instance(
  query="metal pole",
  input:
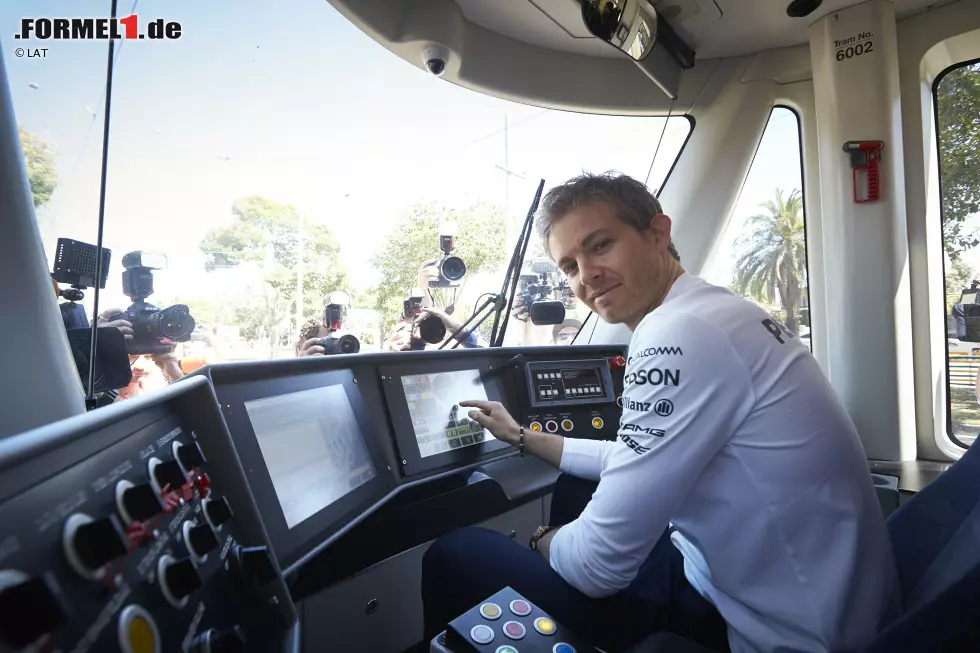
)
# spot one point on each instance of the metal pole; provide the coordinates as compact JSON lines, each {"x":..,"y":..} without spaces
{"x":41,"y":384}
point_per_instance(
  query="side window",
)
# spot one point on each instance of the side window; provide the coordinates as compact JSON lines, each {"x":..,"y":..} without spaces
{"x":762,"y":255}
{"x":957,"y":101}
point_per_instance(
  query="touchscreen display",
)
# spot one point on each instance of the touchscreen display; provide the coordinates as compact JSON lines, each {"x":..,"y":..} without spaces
{"x":433,"y":402}
{"x":313,"y":448}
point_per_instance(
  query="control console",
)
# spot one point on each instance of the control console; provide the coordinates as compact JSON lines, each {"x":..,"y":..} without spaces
{"x":576,"y":398}
{"x":131,"y":529}
{"x":507,"y":623}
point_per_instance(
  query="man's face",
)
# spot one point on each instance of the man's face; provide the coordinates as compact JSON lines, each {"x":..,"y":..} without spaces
{"x":566,"y":335}
{"x":616,"y":270}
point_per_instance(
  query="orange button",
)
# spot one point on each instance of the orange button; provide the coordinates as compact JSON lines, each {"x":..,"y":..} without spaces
{"x":597,"y":422}
{"x":535,"y":426}
{"x":566,"y":424}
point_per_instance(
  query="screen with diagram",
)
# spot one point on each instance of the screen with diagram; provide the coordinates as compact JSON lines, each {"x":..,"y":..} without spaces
{"x":439,"y":422}
{"x":313,"y":448}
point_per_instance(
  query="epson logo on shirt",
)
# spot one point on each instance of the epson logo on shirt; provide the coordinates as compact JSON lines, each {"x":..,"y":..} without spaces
{"x":655,"y":351}
{"x":655,"y":376}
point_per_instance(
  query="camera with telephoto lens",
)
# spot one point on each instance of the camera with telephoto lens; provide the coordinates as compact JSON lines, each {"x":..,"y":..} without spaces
{"x":155,"y":330}
{"x":333,"y":316}
{"x":452,"y":269}
{"x":967,"y":314}
{"x":539,"y":294}
{"x":430,"y":329}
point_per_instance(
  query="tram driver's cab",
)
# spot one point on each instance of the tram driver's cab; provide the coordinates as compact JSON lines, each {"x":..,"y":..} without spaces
{"x":276,"y":484}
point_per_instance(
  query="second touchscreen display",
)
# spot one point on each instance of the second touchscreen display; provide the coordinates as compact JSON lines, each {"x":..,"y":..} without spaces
{"x":440,"y":423}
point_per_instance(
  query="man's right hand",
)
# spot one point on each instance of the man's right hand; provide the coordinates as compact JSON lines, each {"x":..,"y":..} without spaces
{"x":401,"y":339}
{"x":312,"y":348}
{"x":428,"y":272}
{"x":106,"y":320}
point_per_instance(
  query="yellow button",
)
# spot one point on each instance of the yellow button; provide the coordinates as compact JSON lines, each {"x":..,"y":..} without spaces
{"x":490,"y":610}
{"x":137,"y":631}
{"x":535,"y":426}
{"x":544,"y":626}
{"x":566,"y":424}
{"x":141,"y":636}
{"x":597,"y":422}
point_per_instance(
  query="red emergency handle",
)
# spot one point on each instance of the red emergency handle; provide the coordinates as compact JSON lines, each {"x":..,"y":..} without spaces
{"x":865,"y":158}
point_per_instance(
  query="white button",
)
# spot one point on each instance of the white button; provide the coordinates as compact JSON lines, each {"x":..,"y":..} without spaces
{"x":481,"y":634}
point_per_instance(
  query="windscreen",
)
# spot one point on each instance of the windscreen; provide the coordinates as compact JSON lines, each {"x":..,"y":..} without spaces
{"x":313,"y":449}
{"x":440,"y":423}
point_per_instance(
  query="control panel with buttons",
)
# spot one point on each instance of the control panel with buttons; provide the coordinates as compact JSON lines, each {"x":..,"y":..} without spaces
{"x":134,"y":530}
{"x":575,"y":398}
{"x":507,"y":623}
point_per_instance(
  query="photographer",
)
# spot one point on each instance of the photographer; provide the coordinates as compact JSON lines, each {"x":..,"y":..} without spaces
{"x":309,"y":337}
{"x":401,"y":339}
{"x":167,"y":362}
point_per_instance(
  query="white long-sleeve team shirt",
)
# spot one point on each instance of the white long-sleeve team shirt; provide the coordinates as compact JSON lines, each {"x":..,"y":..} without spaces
{"x":731,"y":432}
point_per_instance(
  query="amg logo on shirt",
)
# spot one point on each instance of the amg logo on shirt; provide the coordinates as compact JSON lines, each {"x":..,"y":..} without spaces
{"x":655,"y":351}
{"x":654,"y":377}
{"x":633,"y":444}
{"x":635,"y":405}
{"x":657,"y":433}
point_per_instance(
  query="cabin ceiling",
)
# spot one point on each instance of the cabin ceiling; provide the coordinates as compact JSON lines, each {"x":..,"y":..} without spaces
{"x":713,"y":28}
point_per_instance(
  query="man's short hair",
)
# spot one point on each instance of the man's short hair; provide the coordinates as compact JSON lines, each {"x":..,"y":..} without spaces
{"x":633,"y":202}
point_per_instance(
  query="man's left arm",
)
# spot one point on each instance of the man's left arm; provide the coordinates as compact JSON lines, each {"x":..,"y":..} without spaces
{"x":686,"y":392}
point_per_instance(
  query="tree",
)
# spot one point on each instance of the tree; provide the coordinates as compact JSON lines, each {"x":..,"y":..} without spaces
{"x":958,"y":98}
{"x":39,"y":159}
{"x":480,"y":242}
{"x":773,"y":263}
{"x":959,"y":274}
{"x":265,"y":234}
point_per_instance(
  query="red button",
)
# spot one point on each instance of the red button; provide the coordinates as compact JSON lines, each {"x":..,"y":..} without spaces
{"x":514,"y":629}
{"x":520,"y":608}
{"x":618,"y":362}
{"x":203,"y":483}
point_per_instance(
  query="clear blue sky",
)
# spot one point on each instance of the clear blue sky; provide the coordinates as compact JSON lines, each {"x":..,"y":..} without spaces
{"x":290,"y":101}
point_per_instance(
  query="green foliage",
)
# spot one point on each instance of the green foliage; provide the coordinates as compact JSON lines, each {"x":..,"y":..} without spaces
{"x":204,"y":311}
{"x":266,"y":233}
{"x":958,"y":277}
{"x":39,"y":159}
{"x":958,"y":98}
{"x":772,"y":265}
{"x":480,"y":236}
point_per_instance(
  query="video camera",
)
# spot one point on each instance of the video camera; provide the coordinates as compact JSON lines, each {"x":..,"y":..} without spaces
{"x":538,"y":294}
{"x":431,"y":330}
{"x":333,"y":317}
{"x":967,"y":314}
{"x":75,"y":264}
{"x":155,"y":330}
{"x":452,"y":269}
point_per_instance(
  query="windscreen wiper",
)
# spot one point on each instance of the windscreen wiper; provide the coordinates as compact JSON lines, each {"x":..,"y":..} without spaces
{"x":501,"y":303}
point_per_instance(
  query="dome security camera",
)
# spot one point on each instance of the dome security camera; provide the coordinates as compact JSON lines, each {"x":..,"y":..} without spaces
{"x":435,"y":58}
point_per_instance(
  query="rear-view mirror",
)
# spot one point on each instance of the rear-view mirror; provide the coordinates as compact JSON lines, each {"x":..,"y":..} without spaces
{"x":629,"y":25}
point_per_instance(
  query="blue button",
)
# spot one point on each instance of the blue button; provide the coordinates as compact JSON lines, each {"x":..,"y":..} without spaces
{"x":562,"y":647}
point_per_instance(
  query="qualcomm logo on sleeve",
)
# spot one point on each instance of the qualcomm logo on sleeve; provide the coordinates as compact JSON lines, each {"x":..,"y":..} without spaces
{"x":655,"y":351}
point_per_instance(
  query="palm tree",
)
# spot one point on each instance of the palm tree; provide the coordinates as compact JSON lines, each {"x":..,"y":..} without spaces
{"x":773,"y":260}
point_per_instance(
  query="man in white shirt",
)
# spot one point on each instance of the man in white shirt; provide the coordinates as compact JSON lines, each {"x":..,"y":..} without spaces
{"x":737,"y":487}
